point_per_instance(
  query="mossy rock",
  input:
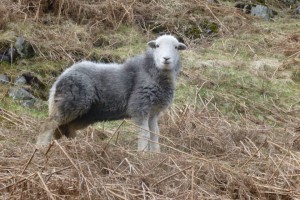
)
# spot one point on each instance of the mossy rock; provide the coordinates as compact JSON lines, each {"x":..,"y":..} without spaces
{"x":193,"y":32}
{"x":205,"y":28}
{"x":209,"y":27}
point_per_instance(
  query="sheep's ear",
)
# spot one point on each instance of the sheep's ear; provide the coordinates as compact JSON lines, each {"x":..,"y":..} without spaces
{"x":152,"y":44}
{"x":181,"y":46}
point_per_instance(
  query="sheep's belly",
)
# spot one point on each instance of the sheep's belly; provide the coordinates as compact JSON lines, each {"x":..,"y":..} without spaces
{"x":96,"y":114}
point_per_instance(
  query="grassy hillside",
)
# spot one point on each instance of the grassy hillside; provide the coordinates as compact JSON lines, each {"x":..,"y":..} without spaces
{"x":230,"y":133}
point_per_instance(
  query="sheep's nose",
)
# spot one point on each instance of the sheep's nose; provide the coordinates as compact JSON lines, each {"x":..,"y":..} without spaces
{"x":167,"y":58}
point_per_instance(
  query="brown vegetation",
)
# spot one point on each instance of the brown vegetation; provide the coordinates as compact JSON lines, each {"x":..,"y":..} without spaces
{"x":205,"y":154}
{"x":190,"y":21}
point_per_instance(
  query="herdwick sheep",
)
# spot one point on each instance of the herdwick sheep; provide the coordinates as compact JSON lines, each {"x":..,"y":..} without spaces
{"x":140,"y":89}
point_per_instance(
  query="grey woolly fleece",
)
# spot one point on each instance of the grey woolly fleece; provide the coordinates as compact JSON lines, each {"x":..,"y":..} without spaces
{"x":89,"y":92}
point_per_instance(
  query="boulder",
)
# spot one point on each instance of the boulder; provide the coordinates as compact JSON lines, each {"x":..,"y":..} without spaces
{"x":24,"y":48}
{"x":33,"y":81}
{"x":262,"y":11}
{"x":289,"y":2}
{"x":4,"y":79}
{"x":244,"y":7}
{"x":298,"y":10}
{"x":19,"y":93}
{"x":4,"y":57}
{"x":25,"y":98}
{"x":21,"y":80}
{"x":9,"y":55}
{"x":28,"y":103}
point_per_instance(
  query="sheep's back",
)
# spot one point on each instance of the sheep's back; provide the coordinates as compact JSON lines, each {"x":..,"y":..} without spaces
{"x":101,"y":90}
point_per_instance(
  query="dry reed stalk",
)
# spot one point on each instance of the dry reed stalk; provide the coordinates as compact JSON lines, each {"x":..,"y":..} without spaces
{"x":205,"y":155}
{"x":45,"y":186}
{"x":29,"y":161}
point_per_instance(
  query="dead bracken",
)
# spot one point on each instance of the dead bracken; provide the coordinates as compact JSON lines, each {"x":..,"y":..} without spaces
{"x":231,"y":133}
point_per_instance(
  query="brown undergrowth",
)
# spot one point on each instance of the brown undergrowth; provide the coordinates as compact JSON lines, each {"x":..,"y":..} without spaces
{"x":68,"y":30}
{"x":204,"y":156}
{"x":288,"y":44}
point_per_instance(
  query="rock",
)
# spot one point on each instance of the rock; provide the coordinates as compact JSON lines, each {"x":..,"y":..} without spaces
{"x":24,"y":48}
{"x":256,"y":10}
{"x":298,"y":10}
{"x":33,"y":81}
{"x":25,"y":98}
{"x":262,"y":11}
{"x":289,"y":2}
{"x":21,"y":80}
{"x":28,"y":103}
{"x":245,"y":7}
{"x":4,"y":79}
{"x":9,"y":55}
{"x":4,"y":57}
{"x":19,"y":93}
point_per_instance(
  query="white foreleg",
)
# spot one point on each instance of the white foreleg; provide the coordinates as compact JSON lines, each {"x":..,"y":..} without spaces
{"x":144,"y":135}
{"x":46,"y":134}
{"x":154,"y":135}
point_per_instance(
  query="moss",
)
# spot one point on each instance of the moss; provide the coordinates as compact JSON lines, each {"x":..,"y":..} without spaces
{"x":184,"y":94}
{"x":296,"y":76}
{"x":39,"y":111}
{"x":193,"y":32}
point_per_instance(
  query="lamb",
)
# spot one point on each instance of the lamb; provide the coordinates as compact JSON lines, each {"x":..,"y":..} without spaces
{"x":140,"y":89}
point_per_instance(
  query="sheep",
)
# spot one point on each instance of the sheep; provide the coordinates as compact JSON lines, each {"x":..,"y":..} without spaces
{"x":140,"y":89}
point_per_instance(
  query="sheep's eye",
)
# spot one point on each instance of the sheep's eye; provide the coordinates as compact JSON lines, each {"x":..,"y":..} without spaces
{"x":176,"y":47}
{"x":157,"y":46}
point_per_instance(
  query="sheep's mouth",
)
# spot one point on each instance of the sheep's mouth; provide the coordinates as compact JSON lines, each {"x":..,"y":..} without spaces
{"x":166,"y":62}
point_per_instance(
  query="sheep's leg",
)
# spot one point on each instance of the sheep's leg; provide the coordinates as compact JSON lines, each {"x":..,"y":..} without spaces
{"x":154,"y":135}
{"x":74,"y":126}
{"x":60,"y":131}
{"x":144,"y":134}
{"x":47,"y":133}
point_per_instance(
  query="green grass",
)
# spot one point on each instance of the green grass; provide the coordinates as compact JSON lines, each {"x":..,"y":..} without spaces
{"x":12,"y":105}
{"x":232,"y":82}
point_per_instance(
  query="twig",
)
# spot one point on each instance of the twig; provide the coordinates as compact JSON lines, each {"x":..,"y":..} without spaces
{"x":45,"y":186}
{"x":49,"y":147}
{"x":254,"y":154}
{"x":73,"y":163}
{"x":192,"y":182}
{"x":29,"y":161}
{"x":112,"y":136}
{"x":20,"y":181}
{"x":279,"y":170}
{"x":115,"y":194}
{"x":49,"y":175}
{"x":170,"y":176}
{"x":67,"y":155}
{"x":217,"y":18}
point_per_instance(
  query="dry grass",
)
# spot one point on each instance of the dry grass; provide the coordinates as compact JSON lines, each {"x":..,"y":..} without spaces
{"x":204,"y":156}
{"x":288,"y":44}
{"x":3,"y":17}
{"x":67,"y":30}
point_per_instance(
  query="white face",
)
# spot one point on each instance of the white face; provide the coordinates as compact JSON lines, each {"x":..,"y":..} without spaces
{"x":165,"y":51}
